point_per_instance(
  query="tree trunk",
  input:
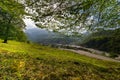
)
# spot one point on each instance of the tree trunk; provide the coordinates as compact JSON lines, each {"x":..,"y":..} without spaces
{"x":5,"y":41}
{"x":6,"y":34}
{"x":7,"y":31}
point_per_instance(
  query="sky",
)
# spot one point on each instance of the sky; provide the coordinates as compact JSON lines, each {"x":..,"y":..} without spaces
{"x":29,"y":23}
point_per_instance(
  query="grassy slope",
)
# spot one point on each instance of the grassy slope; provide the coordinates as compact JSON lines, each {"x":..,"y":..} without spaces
{"x":22,"y":61}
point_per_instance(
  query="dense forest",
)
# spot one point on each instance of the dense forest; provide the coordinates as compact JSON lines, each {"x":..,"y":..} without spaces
{"x":105,"y":40}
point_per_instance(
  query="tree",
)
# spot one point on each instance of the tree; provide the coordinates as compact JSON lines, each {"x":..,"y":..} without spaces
{"x":76,"y":15}
{"x":108,"y":41}
{"x":11,"y":14}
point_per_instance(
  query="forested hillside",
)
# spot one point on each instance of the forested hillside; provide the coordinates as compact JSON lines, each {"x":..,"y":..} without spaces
{"x":46,"y":37}
{"x":105,"y":40}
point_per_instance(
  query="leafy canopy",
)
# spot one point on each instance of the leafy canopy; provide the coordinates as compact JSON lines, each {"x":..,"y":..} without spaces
{"x":11,"y":14}
{"x":76,"y":15}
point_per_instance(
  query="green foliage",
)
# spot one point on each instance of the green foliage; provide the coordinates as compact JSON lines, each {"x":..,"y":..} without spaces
{"x":11,"y":23}
{"x":105,"y":40}
{"x":14,"y":34}
{"x":34,"y":62}
{"x":12,"y":7}
{"x":67,"y":15}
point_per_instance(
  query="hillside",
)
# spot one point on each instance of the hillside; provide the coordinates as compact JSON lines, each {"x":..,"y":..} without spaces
{"x":42,"y":36}
{"x":105,"y":40}
{"x":22,"y":61}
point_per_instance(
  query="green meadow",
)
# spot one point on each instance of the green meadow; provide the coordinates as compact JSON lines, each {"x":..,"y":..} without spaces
{"x":23,"y":61}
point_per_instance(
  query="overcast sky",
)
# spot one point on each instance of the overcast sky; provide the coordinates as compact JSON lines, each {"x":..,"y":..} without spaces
{"x":29,"y":23}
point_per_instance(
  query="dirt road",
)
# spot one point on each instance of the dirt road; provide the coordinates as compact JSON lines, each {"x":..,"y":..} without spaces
{"x":97,"y":56}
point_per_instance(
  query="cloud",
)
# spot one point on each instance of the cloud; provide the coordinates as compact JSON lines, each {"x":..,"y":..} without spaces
{"x":29,"y":23}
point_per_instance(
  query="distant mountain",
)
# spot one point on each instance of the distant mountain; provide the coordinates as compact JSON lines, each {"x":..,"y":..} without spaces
{"x":46,"y":37}
{"x":35,"y":34}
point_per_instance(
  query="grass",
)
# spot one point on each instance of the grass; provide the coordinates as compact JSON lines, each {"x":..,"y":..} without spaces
{"x":22,"y":61}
